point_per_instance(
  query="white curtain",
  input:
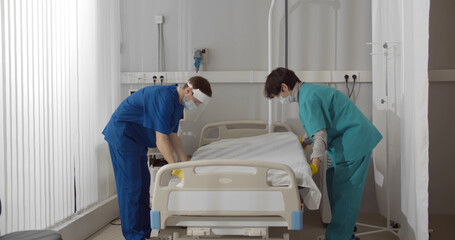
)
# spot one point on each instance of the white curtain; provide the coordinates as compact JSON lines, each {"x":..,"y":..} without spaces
{"x":400,"y":108}
{"x":98,"y":96}
{"x":59,"y":70}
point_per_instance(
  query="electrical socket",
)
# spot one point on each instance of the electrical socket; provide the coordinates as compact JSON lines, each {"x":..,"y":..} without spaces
{"x":161,"y":78}
{"x":155,"y":79}
{"x":355,"y":77}
{"x":340,"y":76}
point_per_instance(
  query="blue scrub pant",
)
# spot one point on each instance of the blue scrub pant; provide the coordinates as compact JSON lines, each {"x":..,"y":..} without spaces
{"x":345,"y":184}
{"x":132,"y":178}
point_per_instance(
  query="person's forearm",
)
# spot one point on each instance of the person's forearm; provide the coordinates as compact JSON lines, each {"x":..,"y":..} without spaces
{"x":177,"y":145}
{"x":162,"y":143}
{"x":319,"y":147}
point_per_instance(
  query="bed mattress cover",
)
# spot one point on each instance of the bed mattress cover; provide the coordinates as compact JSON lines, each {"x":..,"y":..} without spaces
{"x":282,"y":147}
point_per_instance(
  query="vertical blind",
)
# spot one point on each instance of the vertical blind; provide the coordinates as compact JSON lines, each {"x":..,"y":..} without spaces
{"x":52,"y":160}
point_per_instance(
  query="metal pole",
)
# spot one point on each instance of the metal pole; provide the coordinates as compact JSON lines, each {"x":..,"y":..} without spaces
{"x":272,"y":5}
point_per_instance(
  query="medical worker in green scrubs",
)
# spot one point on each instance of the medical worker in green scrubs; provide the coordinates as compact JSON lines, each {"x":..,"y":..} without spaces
{"x":148,"y":118}
{"x":334,"y":124}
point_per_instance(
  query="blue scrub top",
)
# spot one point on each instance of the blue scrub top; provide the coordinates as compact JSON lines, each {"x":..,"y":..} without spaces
{"x":350,"y":135}
{"x":150,"y":109}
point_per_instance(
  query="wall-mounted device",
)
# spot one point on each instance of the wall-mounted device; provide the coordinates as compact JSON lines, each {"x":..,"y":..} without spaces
{"x":159,"y":20}
{"x":133,"y":91}
{"x":200,"y":56}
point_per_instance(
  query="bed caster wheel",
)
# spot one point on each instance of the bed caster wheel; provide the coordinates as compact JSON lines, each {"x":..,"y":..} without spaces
{"x":175,"y":236}
{"x":154,"y":233}
{"x":395,"y":225}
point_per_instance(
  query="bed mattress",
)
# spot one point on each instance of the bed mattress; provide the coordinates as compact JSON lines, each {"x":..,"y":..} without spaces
{"x":281,"y":147}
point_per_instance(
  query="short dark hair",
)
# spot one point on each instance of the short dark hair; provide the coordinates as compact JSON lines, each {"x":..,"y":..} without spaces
{"x":200,"y":83}
{"x":274,"y":80}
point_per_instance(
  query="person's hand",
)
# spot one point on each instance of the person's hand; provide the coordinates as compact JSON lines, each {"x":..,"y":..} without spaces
{"x":178,"y":173}
{"x":304,"y":146}
{"x":314,"y":168}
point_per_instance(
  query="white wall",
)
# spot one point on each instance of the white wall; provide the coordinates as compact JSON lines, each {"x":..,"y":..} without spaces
{"x":442,"y":35}
{"x":323,"y":35}
{"x":441,"y":106}
{"x":235,"y":32}
{"x":326,"y":35}
{"x":441,"y":119}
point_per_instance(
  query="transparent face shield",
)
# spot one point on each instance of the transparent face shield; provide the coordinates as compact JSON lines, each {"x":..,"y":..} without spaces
{"x":201,"y":100}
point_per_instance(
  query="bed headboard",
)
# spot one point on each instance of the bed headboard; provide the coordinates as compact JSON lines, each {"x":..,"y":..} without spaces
{"x":237,"y":129}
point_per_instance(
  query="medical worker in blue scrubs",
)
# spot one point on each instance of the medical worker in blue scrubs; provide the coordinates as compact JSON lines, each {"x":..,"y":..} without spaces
{"x":148,"y":118}
{"x":334,"y":124}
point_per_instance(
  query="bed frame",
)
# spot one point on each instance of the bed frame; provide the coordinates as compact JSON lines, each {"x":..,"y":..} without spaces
{"x":244,"y":218}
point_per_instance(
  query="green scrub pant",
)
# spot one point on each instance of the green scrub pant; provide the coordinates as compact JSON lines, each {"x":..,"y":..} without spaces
{"x":345,"y":184}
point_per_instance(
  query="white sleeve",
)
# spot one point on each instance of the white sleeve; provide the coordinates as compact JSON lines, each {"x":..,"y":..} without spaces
{"x":320,"y":144}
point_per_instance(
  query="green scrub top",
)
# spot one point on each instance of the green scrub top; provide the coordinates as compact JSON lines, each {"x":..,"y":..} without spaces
{"x":350,"y":135}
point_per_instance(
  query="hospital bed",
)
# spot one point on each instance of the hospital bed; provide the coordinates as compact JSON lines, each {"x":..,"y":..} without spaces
{"x":236,"y":185}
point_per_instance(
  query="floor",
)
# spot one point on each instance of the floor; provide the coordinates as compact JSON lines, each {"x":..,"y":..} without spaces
{"x":443,"y":226}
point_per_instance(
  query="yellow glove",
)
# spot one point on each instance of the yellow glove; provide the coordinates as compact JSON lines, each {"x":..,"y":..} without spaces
{"x":301,"y":142}
{"x":314,"y":168}
{"x":178,"y":173}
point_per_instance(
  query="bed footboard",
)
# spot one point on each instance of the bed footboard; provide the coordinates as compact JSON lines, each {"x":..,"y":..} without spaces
{"x":237,"y":197}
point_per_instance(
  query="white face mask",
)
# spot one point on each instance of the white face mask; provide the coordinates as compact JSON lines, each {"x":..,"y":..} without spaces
{"x":189,"y":105}
{"x":285,"y":100}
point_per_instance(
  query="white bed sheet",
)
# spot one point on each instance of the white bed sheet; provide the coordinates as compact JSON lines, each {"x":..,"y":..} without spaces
{"x":283,"y":147}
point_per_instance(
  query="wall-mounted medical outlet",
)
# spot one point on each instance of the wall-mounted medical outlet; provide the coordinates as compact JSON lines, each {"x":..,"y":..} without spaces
{"x":162,"y":77}
{"x":159,"y":78}
{"x":204,"y":54}
{"x":154,"y":78}
{"x":342,"y":76}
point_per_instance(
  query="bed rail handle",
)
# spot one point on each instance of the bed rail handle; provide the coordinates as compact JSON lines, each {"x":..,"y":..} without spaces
{"x":297,"y":220}
{"x":155,"y":219}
